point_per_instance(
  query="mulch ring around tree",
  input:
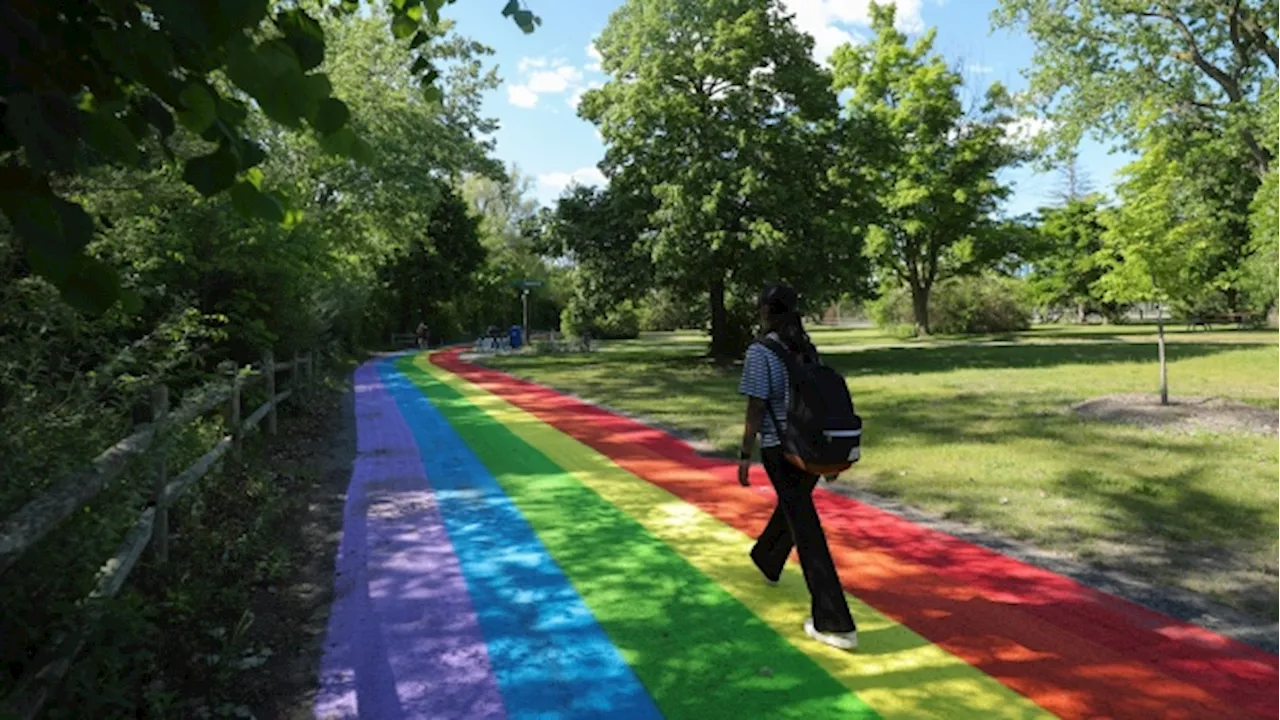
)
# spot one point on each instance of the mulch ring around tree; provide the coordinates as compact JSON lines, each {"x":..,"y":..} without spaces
{"x":1182,"y":414}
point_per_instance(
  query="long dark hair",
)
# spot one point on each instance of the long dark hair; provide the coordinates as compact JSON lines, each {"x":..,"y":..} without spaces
{"x":781,"y":304}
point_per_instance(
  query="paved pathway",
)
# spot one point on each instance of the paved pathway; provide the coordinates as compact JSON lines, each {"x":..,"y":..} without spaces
{"x":510,"y":552}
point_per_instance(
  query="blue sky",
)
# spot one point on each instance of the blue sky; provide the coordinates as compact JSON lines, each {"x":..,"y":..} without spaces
{"x":544,"y":73}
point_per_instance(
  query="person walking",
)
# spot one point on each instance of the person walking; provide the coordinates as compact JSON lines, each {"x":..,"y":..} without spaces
{"x":795,"y":523}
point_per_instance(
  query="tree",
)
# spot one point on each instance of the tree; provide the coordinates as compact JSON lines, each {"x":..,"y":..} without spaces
{"x":1110,"y":66}
{"x":1073,"y":181}
{"x":601,"y":233}
{"x":506,"y":208}
{"x":1071,"y":259}
{"x":1260,"y":276}
{"x":1158,"y":241}
{"x":717,"y":111}
{"x":934,"y":165}
{"x":90,"y":82}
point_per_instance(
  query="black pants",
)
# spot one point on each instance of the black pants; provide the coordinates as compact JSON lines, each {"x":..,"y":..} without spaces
{"x":795,"y":523}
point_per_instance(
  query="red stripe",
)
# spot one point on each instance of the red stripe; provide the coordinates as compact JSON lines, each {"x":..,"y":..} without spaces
{"x":1074,"y":650}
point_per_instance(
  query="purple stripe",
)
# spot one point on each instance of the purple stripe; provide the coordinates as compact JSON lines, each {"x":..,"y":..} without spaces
{"x":403,"y":640}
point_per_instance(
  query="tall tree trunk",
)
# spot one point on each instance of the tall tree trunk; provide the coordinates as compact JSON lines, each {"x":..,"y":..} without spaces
{"x":1164,"y":367}
{"x":720,"y":340}
{"x":920,"y":308}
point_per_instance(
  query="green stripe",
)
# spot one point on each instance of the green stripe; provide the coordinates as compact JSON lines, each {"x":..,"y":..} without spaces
{"x":698,"y":650}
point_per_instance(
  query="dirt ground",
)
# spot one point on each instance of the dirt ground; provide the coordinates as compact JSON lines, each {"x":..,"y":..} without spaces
{"x":292,"y":617}
{"x":1182,"y":414}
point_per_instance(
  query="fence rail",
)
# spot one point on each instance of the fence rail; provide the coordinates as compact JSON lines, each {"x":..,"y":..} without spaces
{"x":37,"y":519}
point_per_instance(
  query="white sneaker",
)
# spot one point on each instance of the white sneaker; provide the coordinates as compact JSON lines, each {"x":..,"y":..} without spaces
{"x":839,"y":640}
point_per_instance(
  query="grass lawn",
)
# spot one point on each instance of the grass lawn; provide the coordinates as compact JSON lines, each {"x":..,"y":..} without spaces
{"x":979,"y":430}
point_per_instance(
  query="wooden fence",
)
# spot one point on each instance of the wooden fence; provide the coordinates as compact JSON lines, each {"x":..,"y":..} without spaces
{"x":23,"y":529}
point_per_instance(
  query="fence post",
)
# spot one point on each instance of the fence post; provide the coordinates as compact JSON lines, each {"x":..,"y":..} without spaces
{"x":295,"y":376}
{"x":269,"y":374}
{"x":159,"y":416}
{"x":233,"y":413}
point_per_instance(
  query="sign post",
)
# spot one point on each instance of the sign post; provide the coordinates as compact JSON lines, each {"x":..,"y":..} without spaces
{"x":524,"y":286}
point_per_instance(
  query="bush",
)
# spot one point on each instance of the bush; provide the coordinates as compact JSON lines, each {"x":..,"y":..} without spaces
{"x":963,"y":305}
{"x":663,"y":310}
{"x":621,"y":322}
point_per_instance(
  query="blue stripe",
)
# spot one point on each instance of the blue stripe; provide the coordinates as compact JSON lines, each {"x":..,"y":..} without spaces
{"x":550,"y":656}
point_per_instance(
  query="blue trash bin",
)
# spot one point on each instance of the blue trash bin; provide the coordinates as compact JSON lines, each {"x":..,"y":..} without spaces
{"x":515,"y":336}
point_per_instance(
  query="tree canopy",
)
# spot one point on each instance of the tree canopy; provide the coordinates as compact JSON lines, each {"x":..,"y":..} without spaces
{"x":92,"y":82}
{"x":931,"y":163}
{"x":718,"y":112}
{"x":1114,"y":68}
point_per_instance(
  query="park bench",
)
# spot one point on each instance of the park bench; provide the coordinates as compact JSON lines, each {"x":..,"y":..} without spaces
{"x":1240,"y":320}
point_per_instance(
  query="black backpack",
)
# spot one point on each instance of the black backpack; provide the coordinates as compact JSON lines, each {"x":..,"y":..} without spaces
{"x":823,"y":434}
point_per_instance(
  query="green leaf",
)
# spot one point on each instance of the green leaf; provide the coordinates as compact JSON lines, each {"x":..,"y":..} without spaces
{"x":45,"y":126}
{"x":524,"y":20}
{"x":402,"y":26}
{"x":231,"y":112}
{"x":362,"y":151}
{"x":432,"y":94}
{"x":211,"y":174}
{"x":339,"y":142}
{"x":104,"y":132}
{"x":304,"y":35}
{"x":130,"y":301}
{"x":156,"y":114}
{"x":254,"y":177}
{"x":248,"y":153}
{"x":198,"y":110}
{"x":251,"y":203}
{"x":91,"y":285}
{"x":331,"y":115}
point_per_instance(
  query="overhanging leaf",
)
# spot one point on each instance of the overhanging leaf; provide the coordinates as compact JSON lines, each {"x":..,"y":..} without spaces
{"x":402,"y":26}
{"x":304,"y":35}
{"x":104,"y":132}
{"x":331,"y":115}
{"x":211,"y":174}
{"x":339,"y":142}
{"x":250,"y":202}
{"x":197,"y":111}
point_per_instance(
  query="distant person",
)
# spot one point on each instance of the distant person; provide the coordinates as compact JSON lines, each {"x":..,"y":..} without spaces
{"x":424,"y":335}
{"x":794,"y":523}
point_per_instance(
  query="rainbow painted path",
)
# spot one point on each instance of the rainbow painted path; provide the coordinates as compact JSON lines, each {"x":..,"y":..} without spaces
{"x":509,"y":552}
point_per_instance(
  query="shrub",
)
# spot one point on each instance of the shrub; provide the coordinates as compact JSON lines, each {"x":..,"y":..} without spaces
{"x":963,"y":305}
{"x":621,"y":322}
{"x":664,"y":310}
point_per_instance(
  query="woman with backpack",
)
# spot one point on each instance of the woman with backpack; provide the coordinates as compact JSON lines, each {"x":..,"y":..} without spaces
{"x":766,"y":381}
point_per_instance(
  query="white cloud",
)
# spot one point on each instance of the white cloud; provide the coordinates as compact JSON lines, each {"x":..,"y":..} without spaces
{"x":540,"y":76}
{"x":594,"y":54}
{"x":528,"y":63}
{"x":554,"y":81}
{"x":828,"y":21}
{"x":979,"y":69}
{"x":556,"y":182}
{"x":521,"y":96}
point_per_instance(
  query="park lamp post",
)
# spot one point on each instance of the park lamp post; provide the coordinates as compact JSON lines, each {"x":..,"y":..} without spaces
{"x":524,"y":286}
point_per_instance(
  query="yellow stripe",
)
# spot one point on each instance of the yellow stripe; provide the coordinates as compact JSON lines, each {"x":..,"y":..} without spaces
{"x":897,"y":672}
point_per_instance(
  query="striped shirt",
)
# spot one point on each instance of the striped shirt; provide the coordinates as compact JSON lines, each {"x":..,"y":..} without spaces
{"x":764,"y":376}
